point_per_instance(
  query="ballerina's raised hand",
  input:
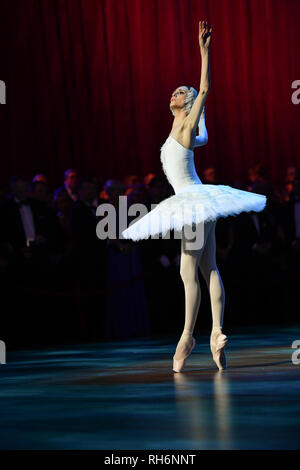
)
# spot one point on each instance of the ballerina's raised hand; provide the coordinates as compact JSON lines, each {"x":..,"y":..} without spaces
{"x":205,"y":32}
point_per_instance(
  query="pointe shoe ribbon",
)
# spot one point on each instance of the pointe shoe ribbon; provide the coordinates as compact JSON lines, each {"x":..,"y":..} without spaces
{"x":178,"y":364}
{"x":217,"y":346}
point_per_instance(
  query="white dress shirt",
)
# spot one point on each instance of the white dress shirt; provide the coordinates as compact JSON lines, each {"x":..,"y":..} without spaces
{"x":27,"y":221}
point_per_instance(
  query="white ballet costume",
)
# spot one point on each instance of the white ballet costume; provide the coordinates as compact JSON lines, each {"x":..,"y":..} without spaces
{"x":178,"y":210}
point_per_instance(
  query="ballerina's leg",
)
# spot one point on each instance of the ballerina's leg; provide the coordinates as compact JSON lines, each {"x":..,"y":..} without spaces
{"x":189,"y":273}
{"x":210,"y":272}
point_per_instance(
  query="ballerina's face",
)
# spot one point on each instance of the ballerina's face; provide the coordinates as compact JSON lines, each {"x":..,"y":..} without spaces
{"x":177,"y":98}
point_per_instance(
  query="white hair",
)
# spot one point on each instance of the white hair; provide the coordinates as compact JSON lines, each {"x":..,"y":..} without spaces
{"x":189,"y":99}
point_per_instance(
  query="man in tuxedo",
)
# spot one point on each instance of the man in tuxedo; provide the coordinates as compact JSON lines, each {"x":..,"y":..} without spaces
{"x":89,"y":257}
{"x":71,"y":183}
{"x":28,"y":225}
{"x":255,"y":242}
{"x":89,"y":250}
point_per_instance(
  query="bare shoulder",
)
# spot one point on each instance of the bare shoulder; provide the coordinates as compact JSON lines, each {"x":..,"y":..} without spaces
{"x":185,"y":135}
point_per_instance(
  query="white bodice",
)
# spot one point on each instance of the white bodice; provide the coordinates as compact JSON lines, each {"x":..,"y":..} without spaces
{"x":178,"y":164}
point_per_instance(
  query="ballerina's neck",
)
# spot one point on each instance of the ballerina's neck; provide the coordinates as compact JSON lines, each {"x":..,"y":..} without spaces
{"x":174,"y":129}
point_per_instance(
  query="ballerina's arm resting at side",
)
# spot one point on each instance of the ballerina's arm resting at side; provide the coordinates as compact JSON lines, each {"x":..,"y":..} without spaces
{"x":202,"y":138}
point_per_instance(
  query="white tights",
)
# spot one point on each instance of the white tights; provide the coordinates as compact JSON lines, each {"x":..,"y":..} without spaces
{"x":205,"y":259}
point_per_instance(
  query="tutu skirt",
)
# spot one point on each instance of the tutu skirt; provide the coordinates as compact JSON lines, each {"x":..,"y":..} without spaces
{"x":194,"y":204}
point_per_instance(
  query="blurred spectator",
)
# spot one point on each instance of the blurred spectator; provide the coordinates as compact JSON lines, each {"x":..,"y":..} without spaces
{"x":113,"y":189}
{"x":292,"y":173}
{"x":255,"y":242}
{"x":224,"y":238}
{"x":159,"y":189}
{"x":62,"y":204}
{"x":127,"y":313}
{"x":40,"y":192}
{"x":259,"y":181}
{"x":162,"y":253}
{"x":40,"y":177}
{"x":71,"y":183}
{"x":98,"y":184}
{"x":148,"y":178}
{"x":251,"y":178}
{"x":138,"y":195}
{"x":209,"y":176}
{"x":83,"y":213}
{"x":89,"y":249}
{"x":295,"y":202}
{"x":88,"y":193}
{"x":131,"y":182}
{"x":29,"y":226}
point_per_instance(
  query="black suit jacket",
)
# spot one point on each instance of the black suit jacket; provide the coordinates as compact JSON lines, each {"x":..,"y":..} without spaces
{"x":83,"y":223}
{"x":45,"y":221}
{"x":246,"y":233}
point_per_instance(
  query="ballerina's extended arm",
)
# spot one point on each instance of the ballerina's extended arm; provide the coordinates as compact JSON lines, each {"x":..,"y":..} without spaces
{"x":193,"y":119}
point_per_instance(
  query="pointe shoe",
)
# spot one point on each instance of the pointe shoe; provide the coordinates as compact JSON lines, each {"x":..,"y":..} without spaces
{"x":178,"y":364}
{"x":218,"y":342}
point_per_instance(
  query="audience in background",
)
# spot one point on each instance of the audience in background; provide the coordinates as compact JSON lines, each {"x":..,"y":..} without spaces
{"x":89,"y":250}
{"x":291,"y":175}
{"x":48,"y":235}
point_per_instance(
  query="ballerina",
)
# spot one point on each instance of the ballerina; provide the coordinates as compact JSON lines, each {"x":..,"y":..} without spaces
{"x":177,"y":158}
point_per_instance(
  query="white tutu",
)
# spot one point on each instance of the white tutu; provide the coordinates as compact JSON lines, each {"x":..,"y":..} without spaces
{"x":193,"y":202}
{"x":197,"y":203}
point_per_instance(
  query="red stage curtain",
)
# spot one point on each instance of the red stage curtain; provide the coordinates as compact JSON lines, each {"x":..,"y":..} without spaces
{"x":88,"y":84}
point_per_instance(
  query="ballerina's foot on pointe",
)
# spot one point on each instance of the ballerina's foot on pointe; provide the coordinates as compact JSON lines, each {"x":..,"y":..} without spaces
{"x":184,"y":348}
{"x":218,"y":343}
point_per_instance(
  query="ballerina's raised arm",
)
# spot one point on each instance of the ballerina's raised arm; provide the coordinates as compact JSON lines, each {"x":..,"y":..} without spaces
{"x":193,"y":117}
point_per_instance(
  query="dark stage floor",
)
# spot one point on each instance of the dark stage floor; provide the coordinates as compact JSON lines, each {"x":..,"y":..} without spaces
{"x":124,"y":395}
